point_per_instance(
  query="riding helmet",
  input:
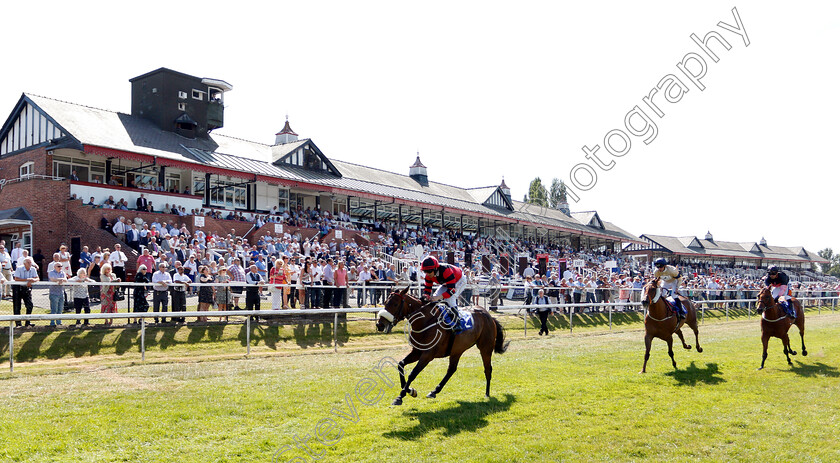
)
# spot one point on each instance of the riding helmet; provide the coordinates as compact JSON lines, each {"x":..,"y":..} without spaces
{"x":661,"y":262}
{"x":429,"y":264}
{"x":773,"y":270}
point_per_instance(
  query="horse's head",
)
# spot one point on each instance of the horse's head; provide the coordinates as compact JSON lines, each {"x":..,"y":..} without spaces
{"x":395,"y":310}
{"x":651,"y":292}
{"x":765,"y":300}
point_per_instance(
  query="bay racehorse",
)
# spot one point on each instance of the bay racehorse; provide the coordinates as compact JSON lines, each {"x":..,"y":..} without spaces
{"x":661,"y":322}
{"x":431,"y":338}
{"x":775,"y":323}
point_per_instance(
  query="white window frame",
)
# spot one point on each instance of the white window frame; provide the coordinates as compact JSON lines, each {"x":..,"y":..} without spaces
{"x":182,"y":106}
{"x":200,"y":94}
{"x":182,"y":94}
{"x":29,"y":167}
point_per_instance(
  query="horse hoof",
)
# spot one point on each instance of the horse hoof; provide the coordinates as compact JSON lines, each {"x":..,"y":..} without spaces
{"x":760,"y":368}
{"x":804,"y":353}
{"x":793,"y":352}
{"x":412,"y":392}
{"x":687,"y":347}
{"x":641,"y":372}
{"x":486,"y":396}
{"x":397,"y":401}
{"x":431,"y":395}
{"x":699,"y":350}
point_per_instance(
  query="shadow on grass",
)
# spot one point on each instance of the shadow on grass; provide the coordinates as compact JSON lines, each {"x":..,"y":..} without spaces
{"x":693,"y":375}
{"x":464,"y":417}
{"x":814,"y":370}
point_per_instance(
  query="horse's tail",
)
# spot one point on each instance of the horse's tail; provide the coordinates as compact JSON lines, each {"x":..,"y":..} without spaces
{"x":501,"y":345}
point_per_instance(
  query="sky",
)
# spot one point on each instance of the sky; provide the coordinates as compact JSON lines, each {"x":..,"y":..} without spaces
{"x":485,"y":90}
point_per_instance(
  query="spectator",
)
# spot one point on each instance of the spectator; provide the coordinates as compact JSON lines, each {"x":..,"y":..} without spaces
{"x":81,"y":298}
{"x":237,"y":274}
{"x":162,"y":280}
{"x":205,"y":293}
{"x":180,"y":284}
{"x":223,"y":299}
{"x":117,"y":261}
{"x":542,"y":312}
{"x":280,"y":277}
{"x":252,"y":294}
{"x":58,"y":276}
{"x":6,"y":267}
{"x":109,"y":303}
{"x":23,"y":293}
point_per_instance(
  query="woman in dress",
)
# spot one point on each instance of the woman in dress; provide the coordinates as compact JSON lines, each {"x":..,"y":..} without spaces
{"x":296,"y":289}
{"x":140,"y":292}
{"x":223,"y":297}
{"x":305,"y":282}
{"x":109,"y":305}
{"x":94,"y":272}
{"x":205,"y":293}
{"x":64,"y":258}
{"x":279,"y":276}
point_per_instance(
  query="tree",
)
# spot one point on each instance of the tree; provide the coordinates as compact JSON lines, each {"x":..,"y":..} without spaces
{"x":537,"y":193}
{"x":833,"y":266}
{"x":557,"y":196}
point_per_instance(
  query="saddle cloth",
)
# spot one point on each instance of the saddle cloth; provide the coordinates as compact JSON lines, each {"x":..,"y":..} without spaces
{"x":465,"y":320}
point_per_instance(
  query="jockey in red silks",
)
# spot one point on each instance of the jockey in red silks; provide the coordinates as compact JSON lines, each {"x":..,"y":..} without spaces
{"x":451,"y":281}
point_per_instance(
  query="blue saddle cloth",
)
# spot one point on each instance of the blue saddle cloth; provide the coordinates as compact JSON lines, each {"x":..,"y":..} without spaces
{"x":681,"y":310}
{"x":465,"y":320}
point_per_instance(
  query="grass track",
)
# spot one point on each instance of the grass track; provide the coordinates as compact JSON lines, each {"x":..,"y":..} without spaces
{"x":566,"y":397}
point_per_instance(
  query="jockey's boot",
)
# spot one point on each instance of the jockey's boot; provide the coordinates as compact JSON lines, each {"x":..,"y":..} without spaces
{"x":679,"y":308}
{"x":453,"y":313}
{"x":789,"y":310}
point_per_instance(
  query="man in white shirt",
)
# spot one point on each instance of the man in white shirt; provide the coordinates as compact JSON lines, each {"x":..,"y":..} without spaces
{"x":16,"y":254}
{"x":162,"y":279}
{"x":117,"y":261}
{"x":6,"y":268}
{"x":364,"y":277}
{"x":119,"y":229}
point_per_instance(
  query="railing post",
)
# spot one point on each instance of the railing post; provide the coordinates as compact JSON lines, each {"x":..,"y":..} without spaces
{"x":11,"y":347}
{"x":727,"y":312}
{"x":335,"y":333}
{"x":611,"y":307}
{"x":143,"y":339}
{"x":248,"y":335}
{"x":571,"y":318}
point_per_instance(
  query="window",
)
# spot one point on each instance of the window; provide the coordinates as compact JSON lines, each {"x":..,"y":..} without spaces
{"x":198,"y":185}
{"x":26,"y":170}
{"x":182,"y":106}
{"x":173,"y":182}
{"x":283,"y":200}
{"x":182,"y":95}
{"x":197,"y":94}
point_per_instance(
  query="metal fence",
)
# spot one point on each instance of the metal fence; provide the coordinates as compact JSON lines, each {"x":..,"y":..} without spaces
{"x":523,"y":311}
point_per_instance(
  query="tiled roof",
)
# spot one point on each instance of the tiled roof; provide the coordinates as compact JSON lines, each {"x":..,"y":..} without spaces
{"x":680,"y":245}
{"x":118,"y":131}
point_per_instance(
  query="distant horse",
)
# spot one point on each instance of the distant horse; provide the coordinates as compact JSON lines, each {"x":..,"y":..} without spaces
{"x":431,"y":339}
{"x":661,"y":322}
{"x":775,"y":323}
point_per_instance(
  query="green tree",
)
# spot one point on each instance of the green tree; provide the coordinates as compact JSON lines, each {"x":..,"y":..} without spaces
{"x":537,"y":193}
{"x":833,"y":266}
{"x":557,"y":194}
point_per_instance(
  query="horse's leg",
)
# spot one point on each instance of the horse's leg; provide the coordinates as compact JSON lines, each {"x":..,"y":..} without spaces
{"x":421,"y":364}
{"x":788,"y":350}
{"x":648,"y":339}
{"x":693,"y":325}
{"x":453,"y":365}
{"x":488,"y":369}
{"x":679,"y":333}
{"x":412,"y":357}
{"x":800,"y":323}
{"x":670,"y":342}
{"x":765,"y":339}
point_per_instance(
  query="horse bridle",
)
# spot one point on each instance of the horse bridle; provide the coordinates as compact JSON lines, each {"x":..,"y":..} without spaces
{"x":393,"y":319}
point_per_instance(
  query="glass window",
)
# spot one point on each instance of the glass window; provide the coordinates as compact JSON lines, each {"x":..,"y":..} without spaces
{"x":198,"y":186}
{"x":26,"y":169}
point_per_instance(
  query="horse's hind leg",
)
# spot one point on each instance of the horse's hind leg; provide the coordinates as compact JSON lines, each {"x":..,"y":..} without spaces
{"x":693,"y":325}
{"x":800,"y":323}
{"x":670,"y":342}
{"x":648,"y":340}
{"x":453,"y":365}
{"x":488,"y":370}
{"x":682,"y":339}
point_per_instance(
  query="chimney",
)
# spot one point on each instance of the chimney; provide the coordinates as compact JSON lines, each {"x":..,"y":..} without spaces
{"x":287,"y":135}
{"x":505,"y":189}
{"x":709,"y":236}
{"x":418,"y":172}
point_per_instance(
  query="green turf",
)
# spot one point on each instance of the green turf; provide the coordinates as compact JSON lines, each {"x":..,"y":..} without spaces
{"x":575,"y":397}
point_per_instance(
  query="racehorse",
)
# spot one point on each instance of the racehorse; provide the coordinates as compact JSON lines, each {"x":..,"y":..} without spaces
{"x":431,"y":339}
{"x":775,"y":323}
{"x":661,"y":322}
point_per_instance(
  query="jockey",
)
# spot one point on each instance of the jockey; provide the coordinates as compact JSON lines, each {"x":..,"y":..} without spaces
{"x":451,"y":281}
{"x":671,"y":279}
{"x":778,"y":283}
